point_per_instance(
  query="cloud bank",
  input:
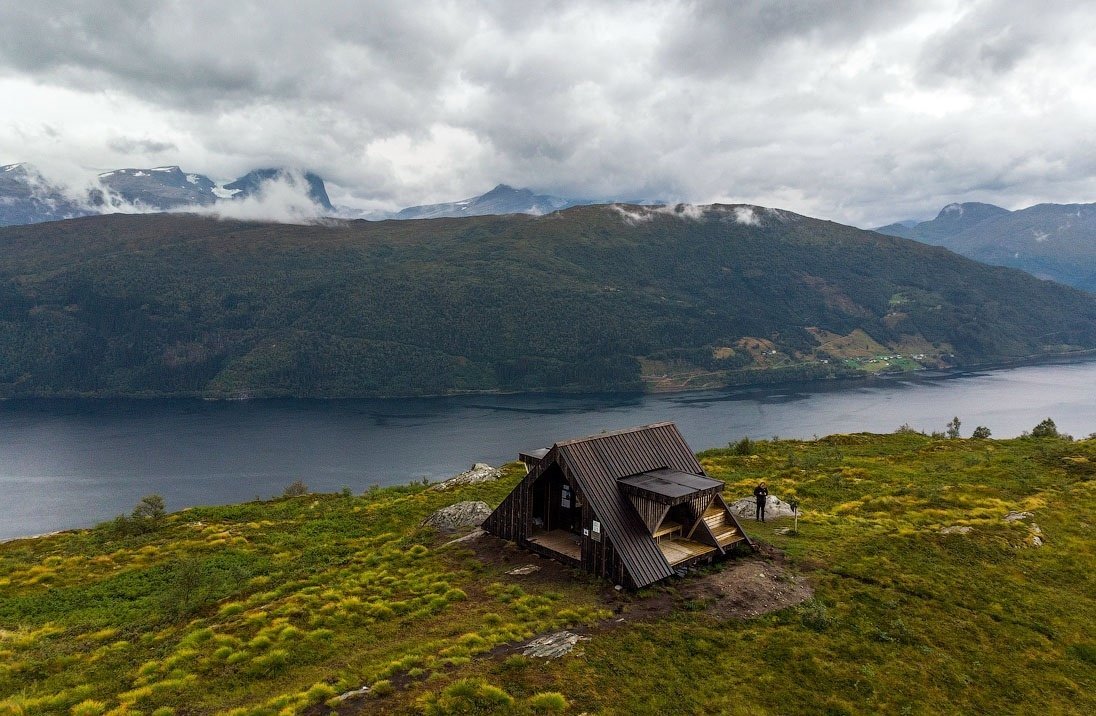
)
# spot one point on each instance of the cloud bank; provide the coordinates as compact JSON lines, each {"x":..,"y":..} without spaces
{"x":859,"y":111}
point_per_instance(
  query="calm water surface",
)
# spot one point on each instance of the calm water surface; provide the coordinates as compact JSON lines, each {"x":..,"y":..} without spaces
{"x":74,"y":463}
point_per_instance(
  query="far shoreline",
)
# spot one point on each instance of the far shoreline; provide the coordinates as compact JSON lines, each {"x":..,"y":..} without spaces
{"x":1065,"y":358}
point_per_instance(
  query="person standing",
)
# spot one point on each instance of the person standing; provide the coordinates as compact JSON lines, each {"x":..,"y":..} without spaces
{"x":761,"y":494}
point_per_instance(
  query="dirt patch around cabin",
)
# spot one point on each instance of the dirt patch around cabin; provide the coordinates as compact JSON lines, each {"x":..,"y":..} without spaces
{"x":738,"y":587}
{"x":748,"y":587}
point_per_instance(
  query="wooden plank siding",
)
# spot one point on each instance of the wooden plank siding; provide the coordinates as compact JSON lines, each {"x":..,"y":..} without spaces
{"x":626,"y":554}
{"x":652,"y":513}
{"x":694,"y":508}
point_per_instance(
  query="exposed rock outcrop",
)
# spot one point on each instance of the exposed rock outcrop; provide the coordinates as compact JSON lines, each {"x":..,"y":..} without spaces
{"x":553,"y":646}
{"x":774,"y":508}
{"x":480,"y":472}
{"x":459,"y":515}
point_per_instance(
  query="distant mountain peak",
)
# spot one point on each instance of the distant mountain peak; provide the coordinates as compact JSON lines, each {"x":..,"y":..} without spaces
{"x":952,"y":219}
{"x":250,"y":183}
{"x":26,"y":197}
{"x":503,"y":199}
{"x":1051,"y":241}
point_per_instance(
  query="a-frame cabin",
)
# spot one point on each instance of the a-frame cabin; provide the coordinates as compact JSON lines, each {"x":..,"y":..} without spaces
{"x":631,"y":506}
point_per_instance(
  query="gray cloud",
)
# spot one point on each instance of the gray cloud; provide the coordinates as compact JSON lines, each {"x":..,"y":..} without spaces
{"x":711,"y":37}
{"x":994,"y":37}
{"x":129,"y":145}
{"x":853,"y":110}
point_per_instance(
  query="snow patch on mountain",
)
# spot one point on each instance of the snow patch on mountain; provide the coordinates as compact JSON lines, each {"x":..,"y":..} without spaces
{"x":221,"y":193}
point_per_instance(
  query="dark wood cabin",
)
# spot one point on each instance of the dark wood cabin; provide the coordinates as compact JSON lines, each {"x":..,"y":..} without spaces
{"x":631,"y":506}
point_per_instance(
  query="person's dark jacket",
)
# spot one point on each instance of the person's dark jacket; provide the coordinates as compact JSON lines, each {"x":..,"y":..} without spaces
{"x":760,"y":493}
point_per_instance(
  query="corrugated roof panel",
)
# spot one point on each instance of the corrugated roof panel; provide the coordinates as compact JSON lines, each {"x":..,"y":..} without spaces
{"x":598,"y":461}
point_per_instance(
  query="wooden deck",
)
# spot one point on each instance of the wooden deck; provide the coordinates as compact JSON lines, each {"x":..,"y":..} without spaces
{"x":561,"y":541}
{"x":679,"y":549}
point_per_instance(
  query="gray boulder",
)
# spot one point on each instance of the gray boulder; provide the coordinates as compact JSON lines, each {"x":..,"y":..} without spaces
{"x":480,"y":472}
{"x":459,"y":515}
{"x":746,"y":508}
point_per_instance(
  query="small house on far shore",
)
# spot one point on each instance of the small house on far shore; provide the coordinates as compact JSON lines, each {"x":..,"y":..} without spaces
{"x":631,"y":506}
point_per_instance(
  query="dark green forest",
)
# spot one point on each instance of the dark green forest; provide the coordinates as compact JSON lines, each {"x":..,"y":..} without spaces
{"x":585,"y":299}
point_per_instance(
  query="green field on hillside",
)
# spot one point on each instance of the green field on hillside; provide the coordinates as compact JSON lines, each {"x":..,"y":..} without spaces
{"x":275,"y":607}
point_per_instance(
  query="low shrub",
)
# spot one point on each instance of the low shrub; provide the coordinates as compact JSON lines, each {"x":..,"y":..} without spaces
{"x":295,"y":489}
{"x":814,"y":615}
{"x":467,"y":696}
{"x":88,"y":708}
{"x":381,"y":688}
{"x":548,"y":702}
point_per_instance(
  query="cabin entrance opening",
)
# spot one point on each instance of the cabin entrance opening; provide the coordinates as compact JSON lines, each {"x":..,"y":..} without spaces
{"x":556,"y":515}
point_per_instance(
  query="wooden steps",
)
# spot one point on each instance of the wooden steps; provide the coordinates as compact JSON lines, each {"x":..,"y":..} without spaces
{"x":721,"y":526}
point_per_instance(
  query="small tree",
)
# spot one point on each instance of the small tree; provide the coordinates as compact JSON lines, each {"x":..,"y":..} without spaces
{"x":151,"y":507}
{"x":953,"y":428}
{"x":980,"y":433}
{"x":743,"y":446}
{"x":1045,"y":429}
{"x":297,"y":489}
{"x":794,"y":504}
{"x":185,"y":591}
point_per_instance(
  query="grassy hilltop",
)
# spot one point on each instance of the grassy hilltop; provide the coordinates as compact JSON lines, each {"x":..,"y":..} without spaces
{"x":274,"y":607}
{"x":593,"y":298}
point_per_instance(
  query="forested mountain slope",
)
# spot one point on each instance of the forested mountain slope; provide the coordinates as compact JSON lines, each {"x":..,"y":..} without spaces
{"x":590,"y":298}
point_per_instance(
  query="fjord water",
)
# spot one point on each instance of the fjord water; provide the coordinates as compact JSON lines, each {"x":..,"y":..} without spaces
{"x":74,"y":463}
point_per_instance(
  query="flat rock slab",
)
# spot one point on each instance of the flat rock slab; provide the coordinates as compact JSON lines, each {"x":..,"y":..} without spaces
{"x":527,"y":569}
{"x":1015,"y":516}
{"x":353,"y":694}
{"x":470,"y":537}
{"x":480,"y":472}
{"x":957,"y":530}
{"x":553,"y":646}
{"x":746,"y":508}
{"x":459,"y":515}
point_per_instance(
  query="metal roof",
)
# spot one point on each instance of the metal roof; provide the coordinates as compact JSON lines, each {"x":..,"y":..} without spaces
{"x":670,"y":483}
{"x":598,"y":461}
{"x":533,"y":455}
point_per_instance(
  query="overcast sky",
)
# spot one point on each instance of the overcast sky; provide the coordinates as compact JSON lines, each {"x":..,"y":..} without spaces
{"x":858,"y":111}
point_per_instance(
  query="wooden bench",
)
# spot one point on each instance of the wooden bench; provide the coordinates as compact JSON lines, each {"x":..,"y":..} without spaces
{"x":667,"y":527}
